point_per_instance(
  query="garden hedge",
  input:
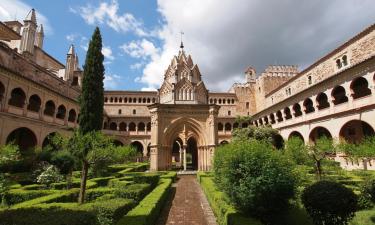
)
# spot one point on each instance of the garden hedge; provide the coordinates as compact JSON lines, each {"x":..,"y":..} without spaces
{"x":15,"y":196}
{"x":225,"y":213}
{"x":148,"y":210}
{"x":67,"y":213}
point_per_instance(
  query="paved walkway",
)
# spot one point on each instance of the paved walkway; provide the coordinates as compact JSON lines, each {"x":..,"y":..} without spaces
{"x":188,"y":205}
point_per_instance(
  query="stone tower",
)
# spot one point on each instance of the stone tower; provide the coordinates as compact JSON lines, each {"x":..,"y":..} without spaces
{"x":70,"y":63}
{"x":250,"y":74}
{"x":39,"y":37}
{"x":28,"y":34}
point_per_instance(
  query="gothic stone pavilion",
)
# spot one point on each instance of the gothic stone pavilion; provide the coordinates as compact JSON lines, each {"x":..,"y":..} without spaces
{"x":182,"y":123}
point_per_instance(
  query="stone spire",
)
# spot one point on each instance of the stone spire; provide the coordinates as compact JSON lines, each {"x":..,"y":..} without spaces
{"x":28,"y":33}
{"x":70,"y":63}
{"x":40,"y":37}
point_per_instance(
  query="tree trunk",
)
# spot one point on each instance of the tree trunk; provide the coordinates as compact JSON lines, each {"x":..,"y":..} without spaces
{"x":318,"y":169}
{"x":82,"y":191}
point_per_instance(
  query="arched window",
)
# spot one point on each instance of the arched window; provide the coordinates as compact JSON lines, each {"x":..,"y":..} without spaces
{"x":211,"y":101}
{"x":215,"y":101}
{"x":309,"y":80}
{"x":116,"y":99}
{"x":265,"y":120}
{"x":144,"y":100}
{"x":148,"y":126}
{"x":339,"y":95}
{"x":120,"y":100}
{"x":49,"y":108}
{"x":228,"y":127}
{"x":17,"y":98}
{"x":288,"y":114}
{"x":153,"y":100}
{"x":220,"y":126}
{"x":279,"y":116}
{"x":132,"y":126}
{"x":232,"y":101}
{"x":297,"y":110}
{"x":272,"y":117}
{"x":105,"y":125}
{"x":148,"y":100}
{"x":360,"y":88}
{"x":134,"y":100}
{"x":322,"y":100}
{"x":111,"y":99}
{"x":34,"y":103}
{"x":141,"y":126}
{"x":139,"y":100}
{"x":72,"y":115}
{"x":235,"y":125}
{"x":105,"y":99}
{"x":125,"y":100}
{"x":122,"y":126}
{"x":130,"y":100}
{"x":309,"y":106}
{"x":219,"y":100}
{"x":113,"y":126}
{"x":344,"y":60}
{"x":244,"y":125}
{"x":61,"y":111}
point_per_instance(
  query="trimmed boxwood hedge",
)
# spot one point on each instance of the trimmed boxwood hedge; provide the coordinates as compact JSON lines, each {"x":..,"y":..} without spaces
{"x":133,"y":191}
{"x":67,"y":213}
{"x":225,"y":213}
{"x":15,"y":196}
{"x":147,"y":211}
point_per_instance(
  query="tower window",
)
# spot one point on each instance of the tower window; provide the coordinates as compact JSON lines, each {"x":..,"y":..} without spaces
{"x":134,"y":111}
{"x":229,"y":113}
{"x":247,"y":105}
{"x":309,"y":80}
{"x":119,"y":111}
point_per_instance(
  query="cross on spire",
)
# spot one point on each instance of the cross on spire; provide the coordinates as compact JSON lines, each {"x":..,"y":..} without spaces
{"x":182,"y":44}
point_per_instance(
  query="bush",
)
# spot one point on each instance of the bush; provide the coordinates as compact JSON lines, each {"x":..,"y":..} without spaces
{"x":18,"y":195}
{"x":151,"y":179}
{"x":133,"y":191}
{"x":259,"y":181}
{"x":329,"y":203}
{"x":96,"y":213}
{"x":368,"y":189}
{"x":225,"y":213}
{"x":61,"y":196}
{"x":147,"y":211}
{"x":50,"y":175}
{"x":296,"y":150}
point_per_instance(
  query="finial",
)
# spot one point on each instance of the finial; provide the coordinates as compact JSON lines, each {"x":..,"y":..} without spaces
{"x":182,"y":44}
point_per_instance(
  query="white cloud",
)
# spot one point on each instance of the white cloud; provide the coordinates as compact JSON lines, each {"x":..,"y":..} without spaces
{"x":71,"y":37}
{"x":18,"y":10}
{"x":140,"y":49}
{"x":227,"y":36}
{"x":111,"y":81}
{"x":108,"y":13}
{"x":136,"y":66}
{"x":107,"y":52}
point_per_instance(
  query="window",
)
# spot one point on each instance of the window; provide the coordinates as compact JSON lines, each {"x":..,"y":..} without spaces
{"x":134,"y":111}
{"x":247,"y":105}
{"x":288,"y":91}
{"x":338,"y":64}
{"x":119,"y":111}
{"x":342,"y":62}
{"x":229,"y":113}
{"x":309,"y":80}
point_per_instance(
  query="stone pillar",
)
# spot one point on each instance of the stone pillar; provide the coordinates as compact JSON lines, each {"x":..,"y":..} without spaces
{"x":180,"y":159}
{"x":184,"y":147}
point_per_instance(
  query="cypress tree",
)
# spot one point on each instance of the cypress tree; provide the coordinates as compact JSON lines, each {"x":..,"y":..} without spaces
{"x":91,"y":99}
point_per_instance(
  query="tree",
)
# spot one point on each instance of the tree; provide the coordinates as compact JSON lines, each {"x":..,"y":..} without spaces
{"x":91,"y":103}
{"x":320,"y":150}
{"x":258,"y":180}
{"x":259,"y":133}
{"x":363,"y":150}
{"x":92,"y":96}
{"x":9,"y":155}
{"x":296,"y":150}
{"x":329,"y":203}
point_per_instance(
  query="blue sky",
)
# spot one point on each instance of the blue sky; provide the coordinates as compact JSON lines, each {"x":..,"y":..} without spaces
{"x":224,"y":37}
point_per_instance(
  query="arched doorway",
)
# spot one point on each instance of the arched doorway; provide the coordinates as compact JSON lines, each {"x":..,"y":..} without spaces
{"x":117,"y":143}
{"x":192,"y":154}
{"x":296,"y":134}
{"x":355,"y":130}
{"x":319,"y":132}
{"x":48,"y":139}
{"x":24,"y":138}
{"x":138,"y":146}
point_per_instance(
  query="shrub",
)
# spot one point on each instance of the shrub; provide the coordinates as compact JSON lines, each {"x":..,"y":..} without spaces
{"x":296,"y":150}
{"x":50,"y":175}
{"x":101,"y":181}
{"x":147,"y":211}
{"x":95,"y":193}
{"x":368,"y":189}
{"x":96,"y":213}
{"x":151,"y":179}
{"x":329,"y":203}
{"x":133,"y":191}
{"x":225,"y":213}
{"x":258,"y":180}
{"x":18,"y":195}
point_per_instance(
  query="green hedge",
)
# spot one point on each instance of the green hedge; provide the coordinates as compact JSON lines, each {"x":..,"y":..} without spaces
{"x":75,"y":184}
{"x":67,"y":213}
{"x":102,"y":181}
{"x":152,"y":179}
{"x":61,"y":196}
{"x":147,"y":211}
{"x":133,"y":191}
{"x":171,"y":175}
{"x":118,"y":183}
{"x":15,"y":196}
{"x":225,"y":213}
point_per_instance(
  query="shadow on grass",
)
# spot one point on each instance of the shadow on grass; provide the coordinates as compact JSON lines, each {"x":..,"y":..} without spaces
{"x":167,"y":207}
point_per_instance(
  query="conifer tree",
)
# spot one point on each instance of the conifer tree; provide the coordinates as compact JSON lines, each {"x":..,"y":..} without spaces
{"x":91,"y":101}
